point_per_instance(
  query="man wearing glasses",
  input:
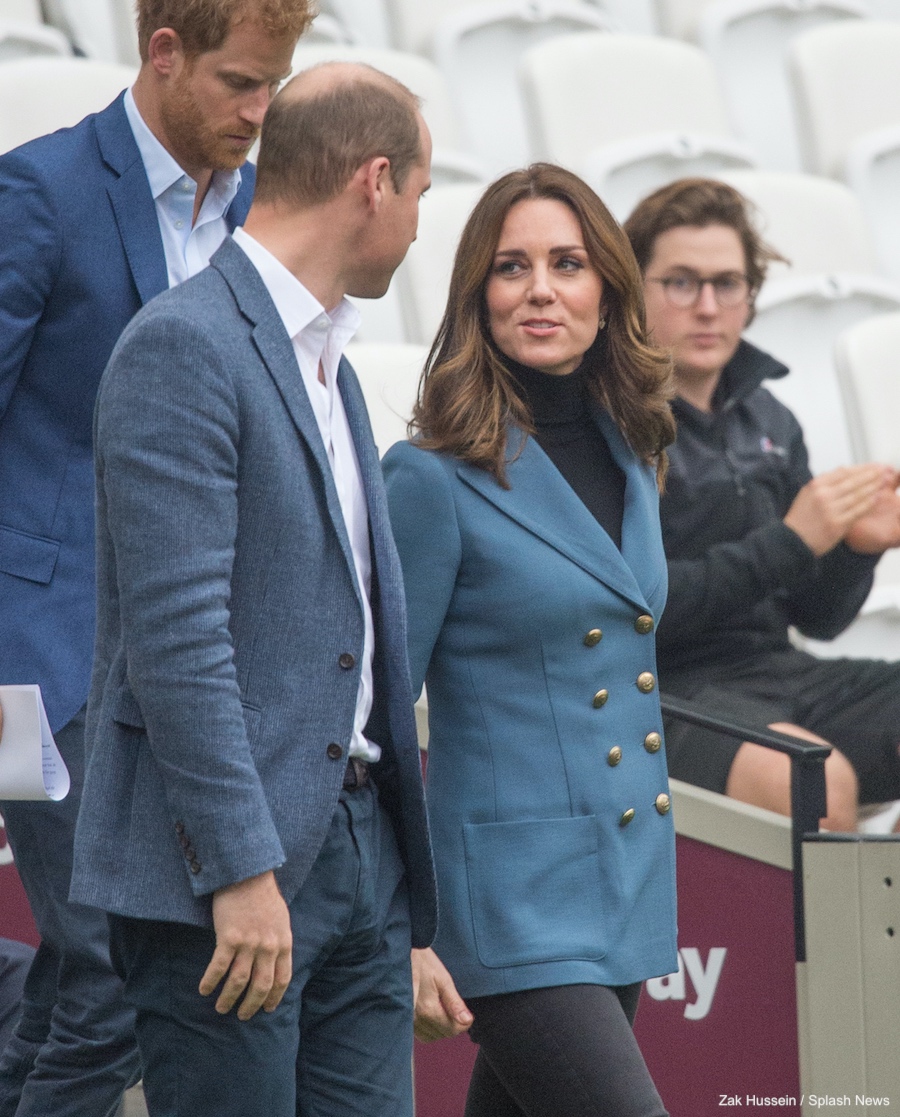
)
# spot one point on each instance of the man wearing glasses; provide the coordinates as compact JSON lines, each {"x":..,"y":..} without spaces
{"x":754,"y":542}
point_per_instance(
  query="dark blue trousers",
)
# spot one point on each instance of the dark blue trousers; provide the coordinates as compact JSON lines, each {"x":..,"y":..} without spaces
{"x":73,"y":1051}
{"x":340,"y":1042}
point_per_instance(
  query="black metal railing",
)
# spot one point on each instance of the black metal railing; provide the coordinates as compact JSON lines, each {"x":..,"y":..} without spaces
{"x":807,"y":787}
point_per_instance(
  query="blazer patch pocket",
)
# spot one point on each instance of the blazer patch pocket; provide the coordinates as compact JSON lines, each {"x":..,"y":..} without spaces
{"x":536,"y":890}
{"x":27,"y":556}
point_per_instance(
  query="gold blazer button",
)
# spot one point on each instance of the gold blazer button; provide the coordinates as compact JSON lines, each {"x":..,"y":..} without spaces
{"x":600,"y":698}
{"x":653,"y":742}
{"x":614,"y":756}
{"x":645,"y":682}
{"x":593,"y":638}
{"x":663,"y":803}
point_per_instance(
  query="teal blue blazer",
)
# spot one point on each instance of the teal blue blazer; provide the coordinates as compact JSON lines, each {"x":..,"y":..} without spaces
{"x":547,"y":785}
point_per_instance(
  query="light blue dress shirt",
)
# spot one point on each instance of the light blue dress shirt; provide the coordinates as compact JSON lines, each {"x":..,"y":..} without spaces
{"x":188,"y":245}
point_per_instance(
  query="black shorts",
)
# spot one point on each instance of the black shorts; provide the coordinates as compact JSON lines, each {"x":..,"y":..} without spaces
{"x":854,"y":704}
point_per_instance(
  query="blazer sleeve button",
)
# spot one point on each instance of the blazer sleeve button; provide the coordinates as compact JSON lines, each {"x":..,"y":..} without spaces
{"x":347,"y":661}
{"x":195,"y":867}
{"x":179,"y":827}
{"x":335,"y":752}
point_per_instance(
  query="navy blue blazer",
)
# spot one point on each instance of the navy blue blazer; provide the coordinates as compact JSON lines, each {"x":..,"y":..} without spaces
{"x":80,"y":253}
{"x":230,"y":627}
{"x":534,"y":634}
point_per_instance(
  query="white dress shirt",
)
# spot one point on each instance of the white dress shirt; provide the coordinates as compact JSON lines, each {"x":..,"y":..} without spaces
{"x":319,"y":339}
{"x":188,"y":246}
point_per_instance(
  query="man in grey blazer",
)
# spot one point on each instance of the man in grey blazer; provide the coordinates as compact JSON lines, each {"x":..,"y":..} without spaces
{"x":253,"y":815}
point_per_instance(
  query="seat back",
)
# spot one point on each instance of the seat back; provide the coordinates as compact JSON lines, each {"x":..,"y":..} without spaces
{"x":817,"y":224}
{"x":21,"y":11}
{"x":24,"y":39}
{"x":424,"y":276}
{"x":39,"y":95}
{"x":747,"y":41}
{"x":479,"y":48}
{"x":450,"y":162}
{"x":616,"y":87}
{"x":366,"y":22}
{"x":389,"y":377}
{"x":846,"y":81}
{"x":866,"y":358}
{"x":873,"y":172}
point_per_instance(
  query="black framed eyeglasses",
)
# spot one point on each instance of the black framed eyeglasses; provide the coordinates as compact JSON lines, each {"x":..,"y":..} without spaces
{"x":730,"y":288}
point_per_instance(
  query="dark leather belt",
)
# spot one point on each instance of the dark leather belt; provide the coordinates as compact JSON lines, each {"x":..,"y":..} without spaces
{"x":356,"y":775}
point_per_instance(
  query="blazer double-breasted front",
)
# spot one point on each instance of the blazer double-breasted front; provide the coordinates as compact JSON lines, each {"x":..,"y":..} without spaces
{"x":547,"y":784}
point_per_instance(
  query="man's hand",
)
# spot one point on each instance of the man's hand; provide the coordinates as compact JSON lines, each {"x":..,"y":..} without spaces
{"x":879,"y":529}
{"x":253,"y":946}
{"x":827,"y":506}
{"x":440,"y":1010}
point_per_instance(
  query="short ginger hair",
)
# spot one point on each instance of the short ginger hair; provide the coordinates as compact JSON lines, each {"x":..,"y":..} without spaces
{"x":204,"y":25}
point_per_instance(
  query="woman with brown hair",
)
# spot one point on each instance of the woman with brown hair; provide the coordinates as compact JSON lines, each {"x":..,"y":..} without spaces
{"x":526,"y":516}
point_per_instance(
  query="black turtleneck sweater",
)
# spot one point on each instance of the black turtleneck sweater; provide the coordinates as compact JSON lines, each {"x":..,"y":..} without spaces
{"x":567,"y":433}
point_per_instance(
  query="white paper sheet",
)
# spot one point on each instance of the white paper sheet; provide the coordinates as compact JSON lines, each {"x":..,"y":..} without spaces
{"x":30,"y":764}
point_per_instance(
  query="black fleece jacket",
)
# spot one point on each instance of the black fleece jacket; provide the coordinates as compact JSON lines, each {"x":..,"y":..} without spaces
{"x":737,"y":575}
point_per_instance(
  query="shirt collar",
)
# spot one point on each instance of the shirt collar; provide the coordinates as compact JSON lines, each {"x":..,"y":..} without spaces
{"x":297,"y":308}
{"x":163,"y":171}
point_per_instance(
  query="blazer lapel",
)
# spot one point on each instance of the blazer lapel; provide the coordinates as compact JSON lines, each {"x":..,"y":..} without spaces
{"x":277,"y":353}
{"x":642,"y":548}
{"x":132,"y":202}
{"x":543,"y":502}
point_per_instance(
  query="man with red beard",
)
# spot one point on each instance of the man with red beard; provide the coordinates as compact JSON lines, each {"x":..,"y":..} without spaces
{"x":97,"y":220}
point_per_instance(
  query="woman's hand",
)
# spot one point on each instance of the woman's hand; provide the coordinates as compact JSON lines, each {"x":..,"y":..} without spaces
{"x":879,"y":529}
{"x":440,"y":1010}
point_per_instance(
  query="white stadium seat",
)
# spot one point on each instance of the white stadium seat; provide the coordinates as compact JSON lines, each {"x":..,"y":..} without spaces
{"x":637,"y":17}
{"x":478,"y":48}
{"x":414,"y":21}
{"x":365,"y":22}
{"x":19,"y":39}
{"x":23,"y":34}
{"x":867,"y":357}
{"x":326,"y":29}
{"x":747,"y":41}
{"x":39,"y":95}
{"x":424,"y":276}
{"x":832,"y":283}
{"x":847,"y":84}
{"x":633,"y":112}
{"x":449,"y":162}
{"x":389,"y":376}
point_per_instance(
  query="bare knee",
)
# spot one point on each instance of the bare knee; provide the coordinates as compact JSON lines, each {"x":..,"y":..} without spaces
{"x":763,"y":777}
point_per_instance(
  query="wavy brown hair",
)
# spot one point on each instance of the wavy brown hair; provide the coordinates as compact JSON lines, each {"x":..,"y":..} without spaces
{"x":699,"y":202}
{"x":467,"y":398}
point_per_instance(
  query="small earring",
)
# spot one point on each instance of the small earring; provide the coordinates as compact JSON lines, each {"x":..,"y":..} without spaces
{"x":601,"y":323}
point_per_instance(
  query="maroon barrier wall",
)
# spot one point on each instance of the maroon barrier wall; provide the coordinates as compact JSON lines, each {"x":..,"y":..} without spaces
{"x":724,"y":1027}
{"x":15,"y":914}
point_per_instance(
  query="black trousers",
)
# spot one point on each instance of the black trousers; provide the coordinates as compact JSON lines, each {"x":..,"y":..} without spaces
{"x":566,"y":1051}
